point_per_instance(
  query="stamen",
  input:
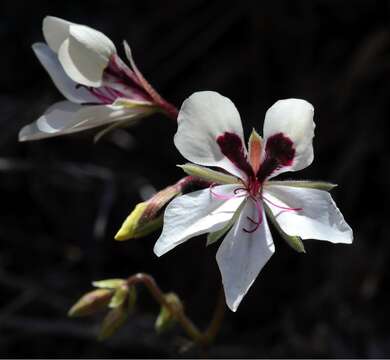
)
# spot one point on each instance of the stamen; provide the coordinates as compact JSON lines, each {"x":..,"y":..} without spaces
{"x":281,"y":207}
{"x":225,"y":197}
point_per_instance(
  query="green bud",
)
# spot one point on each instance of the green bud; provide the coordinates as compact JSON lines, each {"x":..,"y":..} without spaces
{"x":91,"y":303}
{"x":147,"y":216}
{"x":113,"y":321}
{"x":120,"y":296}
{"x":294,"y":241}
{"x":136,"y":226}
{"x":208,"y":174}
{"x":109,"y":283}
{"x":165,"y":320}
{"x":319,"y":185}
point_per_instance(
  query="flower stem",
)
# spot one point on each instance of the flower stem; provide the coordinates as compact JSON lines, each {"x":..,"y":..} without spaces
{"x":203,"y":339}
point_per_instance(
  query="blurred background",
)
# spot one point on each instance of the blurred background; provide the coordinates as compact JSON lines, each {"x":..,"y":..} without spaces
{"x":63,"y":199}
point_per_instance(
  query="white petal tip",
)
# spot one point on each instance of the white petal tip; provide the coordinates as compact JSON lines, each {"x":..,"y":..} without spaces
{"x":158,"y":251}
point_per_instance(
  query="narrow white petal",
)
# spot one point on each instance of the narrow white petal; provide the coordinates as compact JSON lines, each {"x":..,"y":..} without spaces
{"x":319,"y":218}
{"x":194,"y":214}
{"x":202,"y":118}
{"x":293,"y":118}
{"x":85,"y":54}
{"x":242,"y":255}
{"x":49,"y":60}
{"x":53,"y":122}
{"x":55,"y":31}
{"x":66,"y":117}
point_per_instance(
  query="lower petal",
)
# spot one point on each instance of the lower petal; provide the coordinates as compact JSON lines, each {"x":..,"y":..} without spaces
{"x":194,"y":214}
{"x":242,"y":255}
{"x":307,"y":213}
{"x":66,"y":117}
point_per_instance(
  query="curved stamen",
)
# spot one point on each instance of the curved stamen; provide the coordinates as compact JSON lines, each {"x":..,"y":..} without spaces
{"x":259,"y":216}
{"x":239,"y":189}
{"x":281,"y":207}
{"x":225,"y":197}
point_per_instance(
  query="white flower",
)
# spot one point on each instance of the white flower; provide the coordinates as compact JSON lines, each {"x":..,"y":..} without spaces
{"x":100,"y":88}
{"x":210,"y":134}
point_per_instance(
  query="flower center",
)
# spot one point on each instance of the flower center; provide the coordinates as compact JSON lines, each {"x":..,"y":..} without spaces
{"x":279,"y":152}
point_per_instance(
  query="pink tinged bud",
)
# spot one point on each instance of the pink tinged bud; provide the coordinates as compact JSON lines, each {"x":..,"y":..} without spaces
{"x":146,"y":217}
{"x":113,"y":321}
{"x":91,"y":303}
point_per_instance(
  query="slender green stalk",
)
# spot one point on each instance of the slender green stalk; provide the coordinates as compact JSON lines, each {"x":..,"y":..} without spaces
{"x":203,"y":339}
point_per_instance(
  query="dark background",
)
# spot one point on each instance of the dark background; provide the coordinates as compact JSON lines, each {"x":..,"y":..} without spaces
{"x":63,"y":199}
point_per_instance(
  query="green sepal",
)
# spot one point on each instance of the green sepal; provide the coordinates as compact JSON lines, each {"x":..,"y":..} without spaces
{"x":216,"y":235}
{"x":113,"y":321}
{"x":208,"y":174}
{"x":294,"y":241}
{"x":119,"y":297}
{"x":319,"y":185}
{"x":109,"y":283}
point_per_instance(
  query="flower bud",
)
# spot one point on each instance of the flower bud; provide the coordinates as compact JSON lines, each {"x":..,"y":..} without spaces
{"x":109,"y":283}
{"x":166,"y":319}
{"x":120,"y":296}
{"x":91,"y":303}
{"x":113,"y":321}
{"x":147,"y":216}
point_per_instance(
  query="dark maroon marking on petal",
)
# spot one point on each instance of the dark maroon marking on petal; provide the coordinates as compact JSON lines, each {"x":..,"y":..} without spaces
{"x":232,"y":147}
{"x":279,"y":152}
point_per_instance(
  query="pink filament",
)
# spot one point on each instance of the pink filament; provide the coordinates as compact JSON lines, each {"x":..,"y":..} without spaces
{"x":224,"y":197}
{"x":259,"y":216}
{"x":105,"y":99}
{"x":282,"y":207}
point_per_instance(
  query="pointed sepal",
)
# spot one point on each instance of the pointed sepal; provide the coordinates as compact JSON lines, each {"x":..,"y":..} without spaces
{"x":207,"y":174}
{"x":294,"y":241}
{"x":255,"y":146}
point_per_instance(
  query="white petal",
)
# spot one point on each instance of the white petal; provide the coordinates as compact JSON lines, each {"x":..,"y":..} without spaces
{"x":319,"y":218}
{"x":55,"y":31}
{"x":85,"y":54}
{"x":194,"y":214}
{"x":49,"y":60}
{"x":242,"y":255}
{"x":65,"y":117}
{"x":202,"y":118}
{"x":294,"y":119}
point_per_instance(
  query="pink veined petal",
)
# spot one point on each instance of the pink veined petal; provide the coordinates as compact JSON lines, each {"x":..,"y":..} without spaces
{"x":307,"y":213}
{"x":288,"y":137}
{"x":204,"y":117}
{"x":243,"y":254}
{"x":194,"y":214}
